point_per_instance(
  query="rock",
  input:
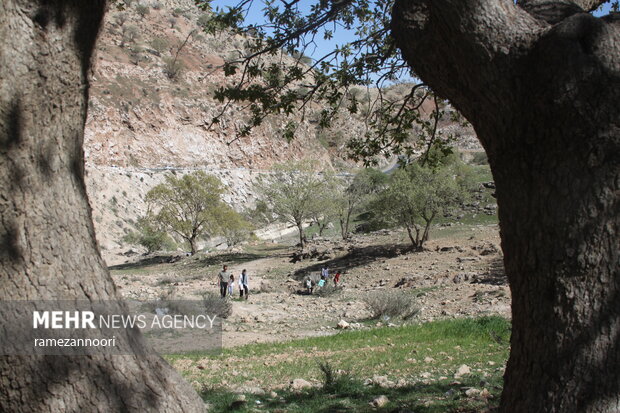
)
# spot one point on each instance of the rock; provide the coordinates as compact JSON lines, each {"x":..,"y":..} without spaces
{"x":265,"y":286}
{"x":428,"y":359}
{"x":382,"y":381}
{"x":472,"y":392}
{"x":380,"y":401}
{"x":300,"y":384}
{"x":343,"y":325}
{"x":462,"y":371}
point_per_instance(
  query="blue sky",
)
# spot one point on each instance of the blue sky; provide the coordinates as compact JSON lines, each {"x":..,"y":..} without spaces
{"x":255,"y":16}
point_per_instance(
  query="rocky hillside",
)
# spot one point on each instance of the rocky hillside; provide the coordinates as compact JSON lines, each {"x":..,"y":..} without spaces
{"x":150,"y":111}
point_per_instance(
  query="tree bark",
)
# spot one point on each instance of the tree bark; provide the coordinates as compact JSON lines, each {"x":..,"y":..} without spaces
{"x":48,"y":248}
{"x":543,"y":99}
{"x":300,"y":229}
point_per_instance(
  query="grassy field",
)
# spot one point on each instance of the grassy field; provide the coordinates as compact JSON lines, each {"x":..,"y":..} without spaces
{"x":419,"y":362}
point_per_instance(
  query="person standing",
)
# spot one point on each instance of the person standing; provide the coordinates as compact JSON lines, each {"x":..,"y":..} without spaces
{"x":244,"y":284}
{"x":223,"y":277}
{"x":336,"y":278}
{"x":231,"y":285}
{"x":325,"y":273}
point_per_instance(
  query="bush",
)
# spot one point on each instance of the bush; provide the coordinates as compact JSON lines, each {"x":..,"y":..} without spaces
{"x":327,"y":290}
{"x":392,"y":304}
{"x":159,"y":44}
{"x":337,"y":382}
{"x":173,"y":68}
{"x":480,"y":158}
{"x":204,"y":20}
{"x":156,"y":5}
{"x":148,"y":236}
{"x":214,"y":304}
{"x":143,"y":10}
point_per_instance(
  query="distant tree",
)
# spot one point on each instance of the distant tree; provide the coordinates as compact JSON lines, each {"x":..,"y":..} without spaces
{"x":121,"y":18}
{"x":130,"y":34}
{"x":173,"y":68}
{"x":143,"y":10}
{"x":190,"y":206}
{"x":159,"y":44}
{"x":416,"y":195}
{"x":172,"y":22}
{"x":324,"y":208}
{"x":351,"y":198}
{"x":290,"y":191}
{"x":234,"y":227}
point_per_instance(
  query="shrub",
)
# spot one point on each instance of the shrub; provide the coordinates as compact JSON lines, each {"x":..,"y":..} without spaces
{"x":480,"y":158}
{"x":204,"y":20}
{"x":337,"y":382}
{"x":159,"y":44}
{"x":148,"y":236}
{"x":392,"y":304}
{"x":177,"y":12}
{"x":327,"y":290}
{"x":156,"y":5}
{"x":143,"y":10}
{"x":172,"y":68}
{"x":214,"y":304}
{"x":130,"y":34}
{"x":121,"y":18}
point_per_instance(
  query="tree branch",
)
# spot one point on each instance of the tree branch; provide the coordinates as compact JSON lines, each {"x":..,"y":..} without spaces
{"x":554,"y":11}
{"x":486,"y":36}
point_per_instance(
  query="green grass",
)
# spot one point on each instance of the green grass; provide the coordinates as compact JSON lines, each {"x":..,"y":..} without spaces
{"x":423,"y":356}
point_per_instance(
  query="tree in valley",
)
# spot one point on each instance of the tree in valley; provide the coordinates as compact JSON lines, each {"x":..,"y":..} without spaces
{"x":48,"y":248}
{"x":191,"y":208}
{"x":354,"y":197}
{"x":540,"y":83}
{"x":415,"y":196}
{"x":234,"y":227}
{"x":324,"y":208}
{"x":291,"y":191}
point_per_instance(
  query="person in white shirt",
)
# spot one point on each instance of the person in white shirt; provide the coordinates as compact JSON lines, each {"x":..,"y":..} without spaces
{"x":243,"y":284}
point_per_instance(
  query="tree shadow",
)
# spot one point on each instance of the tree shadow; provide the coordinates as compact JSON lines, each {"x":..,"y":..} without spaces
{"x":495,"y":275}
{"x":356,"y":257}
{"x":195,"y":262}
{"x":353,"y":396}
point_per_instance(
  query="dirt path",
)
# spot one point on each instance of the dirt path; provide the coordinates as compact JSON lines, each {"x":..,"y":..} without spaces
{"x":459,"y":274}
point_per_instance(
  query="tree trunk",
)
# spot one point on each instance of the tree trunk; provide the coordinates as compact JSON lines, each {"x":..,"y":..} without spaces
{"x":192,"y":245}
{"x":48,"y":248}
{"x":543,"y":99}
{"x":300,"y":229}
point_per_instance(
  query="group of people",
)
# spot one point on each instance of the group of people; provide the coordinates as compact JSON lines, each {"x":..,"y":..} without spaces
{"x":322,"y":281}
{"x":226,"y":281}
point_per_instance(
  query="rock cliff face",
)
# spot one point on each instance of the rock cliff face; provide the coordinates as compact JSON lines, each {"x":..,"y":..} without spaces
{"x":150,"y":109}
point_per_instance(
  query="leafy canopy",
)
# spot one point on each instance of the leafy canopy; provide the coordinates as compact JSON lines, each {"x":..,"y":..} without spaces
{"x":273,"y":75}
{"x":190,"y":207}
{"x":417,"y":194}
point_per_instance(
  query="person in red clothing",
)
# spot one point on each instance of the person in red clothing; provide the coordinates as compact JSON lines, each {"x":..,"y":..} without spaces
{"x":336,"y":278}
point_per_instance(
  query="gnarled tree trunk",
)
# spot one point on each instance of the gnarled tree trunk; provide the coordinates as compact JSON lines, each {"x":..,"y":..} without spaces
{"x":48,"y":248}
{"x":540,"y":82}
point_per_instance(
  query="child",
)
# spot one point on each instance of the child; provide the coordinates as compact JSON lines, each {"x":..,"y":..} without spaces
{"x":231,"y":284}
{"x":336,"y":278}
{"x":322,"y":281}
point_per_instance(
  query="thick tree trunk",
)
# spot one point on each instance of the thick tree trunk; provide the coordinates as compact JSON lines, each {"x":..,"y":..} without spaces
{"x":544,"y":100}
{"x":48,"y":248}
